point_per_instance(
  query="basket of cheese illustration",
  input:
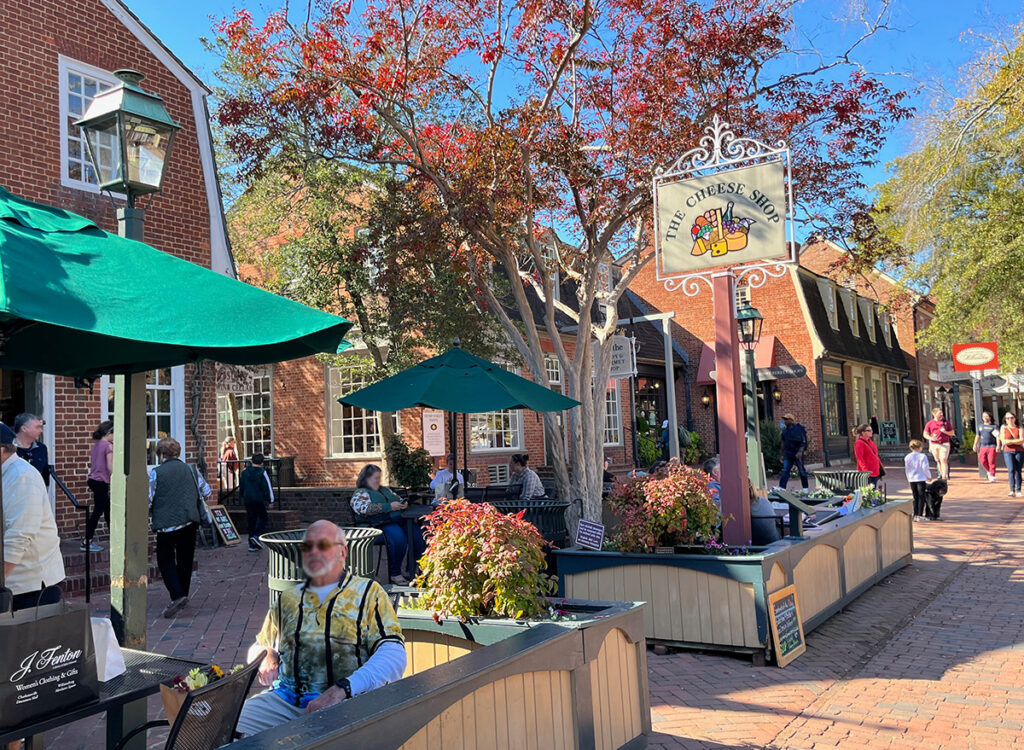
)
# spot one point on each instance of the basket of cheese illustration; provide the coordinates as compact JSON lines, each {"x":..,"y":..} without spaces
{"x":719,"y":232}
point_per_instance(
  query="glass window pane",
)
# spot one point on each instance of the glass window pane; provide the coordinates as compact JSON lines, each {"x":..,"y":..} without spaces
{"x":163,"y":401}
{"x":163,"y":426}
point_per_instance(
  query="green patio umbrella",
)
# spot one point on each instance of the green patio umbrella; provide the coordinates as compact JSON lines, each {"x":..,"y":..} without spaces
{"x":76,"y":300}
{"x":459,"y":383}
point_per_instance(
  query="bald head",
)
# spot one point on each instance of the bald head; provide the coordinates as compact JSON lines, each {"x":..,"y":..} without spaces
{"x":324,"y":552}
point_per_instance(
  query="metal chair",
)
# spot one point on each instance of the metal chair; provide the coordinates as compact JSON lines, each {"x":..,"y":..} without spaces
{"x":286,"y":555}
{"x":208,"y":716}
{"x":546,"y":514}
{"x":842,"y":481}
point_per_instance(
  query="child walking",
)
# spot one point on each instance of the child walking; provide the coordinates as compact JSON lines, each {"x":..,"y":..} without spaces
{"x":919,"y":471}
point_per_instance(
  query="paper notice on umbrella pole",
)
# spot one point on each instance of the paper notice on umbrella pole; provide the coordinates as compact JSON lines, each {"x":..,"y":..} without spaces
{"x":433,"y":432}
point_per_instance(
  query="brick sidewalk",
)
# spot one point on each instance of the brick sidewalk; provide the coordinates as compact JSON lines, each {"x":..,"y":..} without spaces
{"x":928,"y":658}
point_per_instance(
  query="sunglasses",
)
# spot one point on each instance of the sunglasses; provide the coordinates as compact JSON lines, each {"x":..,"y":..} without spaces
{"x":324,"y":545}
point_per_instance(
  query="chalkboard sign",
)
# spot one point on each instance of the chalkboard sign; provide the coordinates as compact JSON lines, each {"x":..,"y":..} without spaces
{"x":226,"y":529}
{"x":787,"y":627}
{"x":890,"y":435}
{"x":590,"y":535}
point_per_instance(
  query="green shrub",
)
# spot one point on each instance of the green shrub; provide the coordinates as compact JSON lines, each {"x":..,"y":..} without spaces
{"x":693,"y":452}
{"x":409,"y":468}
{"x":771,"y":447}
{"x":968,"y":446}
{"x":483,"y":563}
{"x":647,"y":449}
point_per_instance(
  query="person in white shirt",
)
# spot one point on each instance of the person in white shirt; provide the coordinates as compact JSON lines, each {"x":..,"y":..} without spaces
{"x":32,"y":556}
{"x":918,"y":471}
{"x":441,"y":484}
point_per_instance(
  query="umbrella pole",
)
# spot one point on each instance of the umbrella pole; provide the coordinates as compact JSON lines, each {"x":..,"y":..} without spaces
{"x":453,"y":448}
{"x":465,"y":444}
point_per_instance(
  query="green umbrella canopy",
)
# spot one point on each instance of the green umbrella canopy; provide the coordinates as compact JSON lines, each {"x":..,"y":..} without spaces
{"x":75,"y":300}
{"x":457,"y":381}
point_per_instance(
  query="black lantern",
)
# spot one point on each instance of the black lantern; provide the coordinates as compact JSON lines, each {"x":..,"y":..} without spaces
{"x":749,"y":321}
{"x":128,"y":133}
{"x":706,"y":399}
{"x":777,"y":395}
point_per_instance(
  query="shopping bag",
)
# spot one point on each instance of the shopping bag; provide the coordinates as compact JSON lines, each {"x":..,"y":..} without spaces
{"x":109,"y":659}
{"x":47,"y":662}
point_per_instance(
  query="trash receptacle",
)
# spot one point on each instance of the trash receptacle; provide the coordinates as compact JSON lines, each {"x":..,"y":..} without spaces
{"x":285,"y":563}
{"x":286,"y":471}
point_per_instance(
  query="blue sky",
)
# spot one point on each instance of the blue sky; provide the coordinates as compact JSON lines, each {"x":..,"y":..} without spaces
{"x":925,"y":48}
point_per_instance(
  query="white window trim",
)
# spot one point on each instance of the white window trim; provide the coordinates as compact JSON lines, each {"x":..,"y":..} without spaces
{"x":177,"y":405}
{"x":64,"y":66}
{"x":604,"y":428}
{"x":328,"y":455}
{"x":518,"y":432}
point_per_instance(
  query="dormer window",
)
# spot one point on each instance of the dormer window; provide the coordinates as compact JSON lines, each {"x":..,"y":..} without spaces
{"x":867,"y":314}
{"x":827,"y":290}
{"x":883,"y":320}
{"x":849,"y":299}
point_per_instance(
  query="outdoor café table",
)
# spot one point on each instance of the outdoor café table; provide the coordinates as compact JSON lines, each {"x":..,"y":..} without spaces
{"x":145,"y":671}
{"x":412,"y":515}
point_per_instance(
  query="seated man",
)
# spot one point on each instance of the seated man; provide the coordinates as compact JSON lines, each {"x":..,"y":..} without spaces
{"x":441,"y":484}
{"x":309,"y":667}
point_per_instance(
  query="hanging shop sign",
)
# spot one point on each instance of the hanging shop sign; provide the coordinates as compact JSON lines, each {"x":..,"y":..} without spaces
{"x":433,"y":432}
{"x":623,"y":357}
{"x":727,"y":218}
{"x":980,"y":356}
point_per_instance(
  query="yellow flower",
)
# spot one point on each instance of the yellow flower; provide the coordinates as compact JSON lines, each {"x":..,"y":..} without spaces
{"x":216,"y":671}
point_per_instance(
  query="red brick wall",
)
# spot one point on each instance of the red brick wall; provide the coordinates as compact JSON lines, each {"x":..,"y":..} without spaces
{"x":33,"y":35}
{"x":300,"y":430}
{"x":783,"y":318}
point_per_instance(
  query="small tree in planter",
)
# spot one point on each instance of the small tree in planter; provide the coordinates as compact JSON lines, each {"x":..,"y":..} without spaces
{"x":483,"y":563}
{"x":672,"y":507}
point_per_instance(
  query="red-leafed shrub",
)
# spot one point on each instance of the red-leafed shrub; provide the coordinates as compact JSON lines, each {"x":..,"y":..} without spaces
{"x":670,"y":507}
{"x":483,"y":563}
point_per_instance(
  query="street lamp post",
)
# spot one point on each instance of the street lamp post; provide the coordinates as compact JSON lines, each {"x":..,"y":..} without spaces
{"x":748,"y":322}
{"x":128,"y":134}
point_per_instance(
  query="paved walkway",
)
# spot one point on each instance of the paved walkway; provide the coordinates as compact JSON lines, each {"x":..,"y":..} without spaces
{"x":930,"y":658}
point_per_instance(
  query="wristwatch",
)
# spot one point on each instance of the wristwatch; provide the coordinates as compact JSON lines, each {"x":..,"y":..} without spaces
{"x":345,"y":685}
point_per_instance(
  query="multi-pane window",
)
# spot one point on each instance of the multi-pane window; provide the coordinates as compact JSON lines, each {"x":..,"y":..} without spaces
{"x":254,"y":429}
{"x":496,"y":430}
{"x":612,"y":417}
{"x":79,"y":86}
{"x":858,"y":400}
{"x":160,"y":404}
{"x":351,"y":431}
{"x":554,"y":372}
{"x":742,"y":296}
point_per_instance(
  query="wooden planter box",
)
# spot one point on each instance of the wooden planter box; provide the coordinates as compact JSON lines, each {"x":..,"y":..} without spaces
{"x":498,"y":684}
{"x":708,"y":601}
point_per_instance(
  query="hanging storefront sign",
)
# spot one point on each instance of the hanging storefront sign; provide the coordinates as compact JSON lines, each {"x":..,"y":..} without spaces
{"x":980,"y":356}
{"x":623,"y":357}
{"x":727,"y":218}
{"x":433,"y":432}
{"x":238,"y":379}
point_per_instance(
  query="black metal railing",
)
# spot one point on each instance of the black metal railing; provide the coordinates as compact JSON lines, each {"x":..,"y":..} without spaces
{"x":229,"y":472}
{"x":83,"y":507}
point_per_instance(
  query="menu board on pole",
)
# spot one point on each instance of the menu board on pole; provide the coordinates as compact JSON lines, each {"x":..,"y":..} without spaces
{"x":433,"y":432}
{"x":787,"y":627}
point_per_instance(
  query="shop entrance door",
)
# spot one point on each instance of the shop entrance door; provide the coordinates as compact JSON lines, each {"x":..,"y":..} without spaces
{"x":12,"y":395}
{"x":836,"y":432}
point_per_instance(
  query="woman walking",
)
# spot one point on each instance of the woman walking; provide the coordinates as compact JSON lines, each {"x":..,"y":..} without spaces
{"x":176,"y":491}
{"x":866,"y":452}
{"x":938,"y":432}
{"x":101,"y":463}
{"x":1012,"y":440}
{"x":986,"y":443}
{"x":229,"y":458}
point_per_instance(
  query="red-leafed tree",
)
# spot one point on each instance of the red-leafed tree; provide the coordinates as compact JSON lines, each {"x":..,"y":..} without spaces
{"x":523,"y":116}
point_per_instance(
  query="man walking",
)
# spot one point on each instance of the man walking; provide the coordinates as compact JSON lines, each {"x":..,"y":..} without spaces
{"x":257,"y":494}
{"x":794,"y":444}
{"x":28,"y":428}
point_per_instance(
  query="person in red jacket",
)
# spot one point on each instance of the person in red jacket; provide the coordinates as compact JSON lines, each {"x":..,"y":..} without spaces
{"x":867,"y":454}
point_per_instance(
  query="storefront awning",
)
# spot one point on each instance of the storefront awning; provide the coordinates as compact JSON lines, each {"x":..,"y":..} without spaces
{"x":764,"y":357}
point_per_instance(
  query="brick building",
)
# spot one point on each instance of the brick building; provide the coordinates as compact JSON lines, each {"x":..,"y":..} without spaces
{"x":55,"y":58}
{"x":828,"y":353}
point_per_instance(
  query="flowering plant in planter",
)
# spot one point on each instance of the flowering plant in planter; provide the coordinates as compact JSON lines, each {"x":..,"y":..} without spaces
{"x":483,"y":563}
{"x":673,"y":506}
{"x":200,"y":677}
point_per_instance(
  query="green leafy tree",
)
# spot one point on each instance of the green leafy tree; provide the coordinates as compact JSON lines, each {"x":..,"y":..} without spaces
{"x":950,"y":217}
